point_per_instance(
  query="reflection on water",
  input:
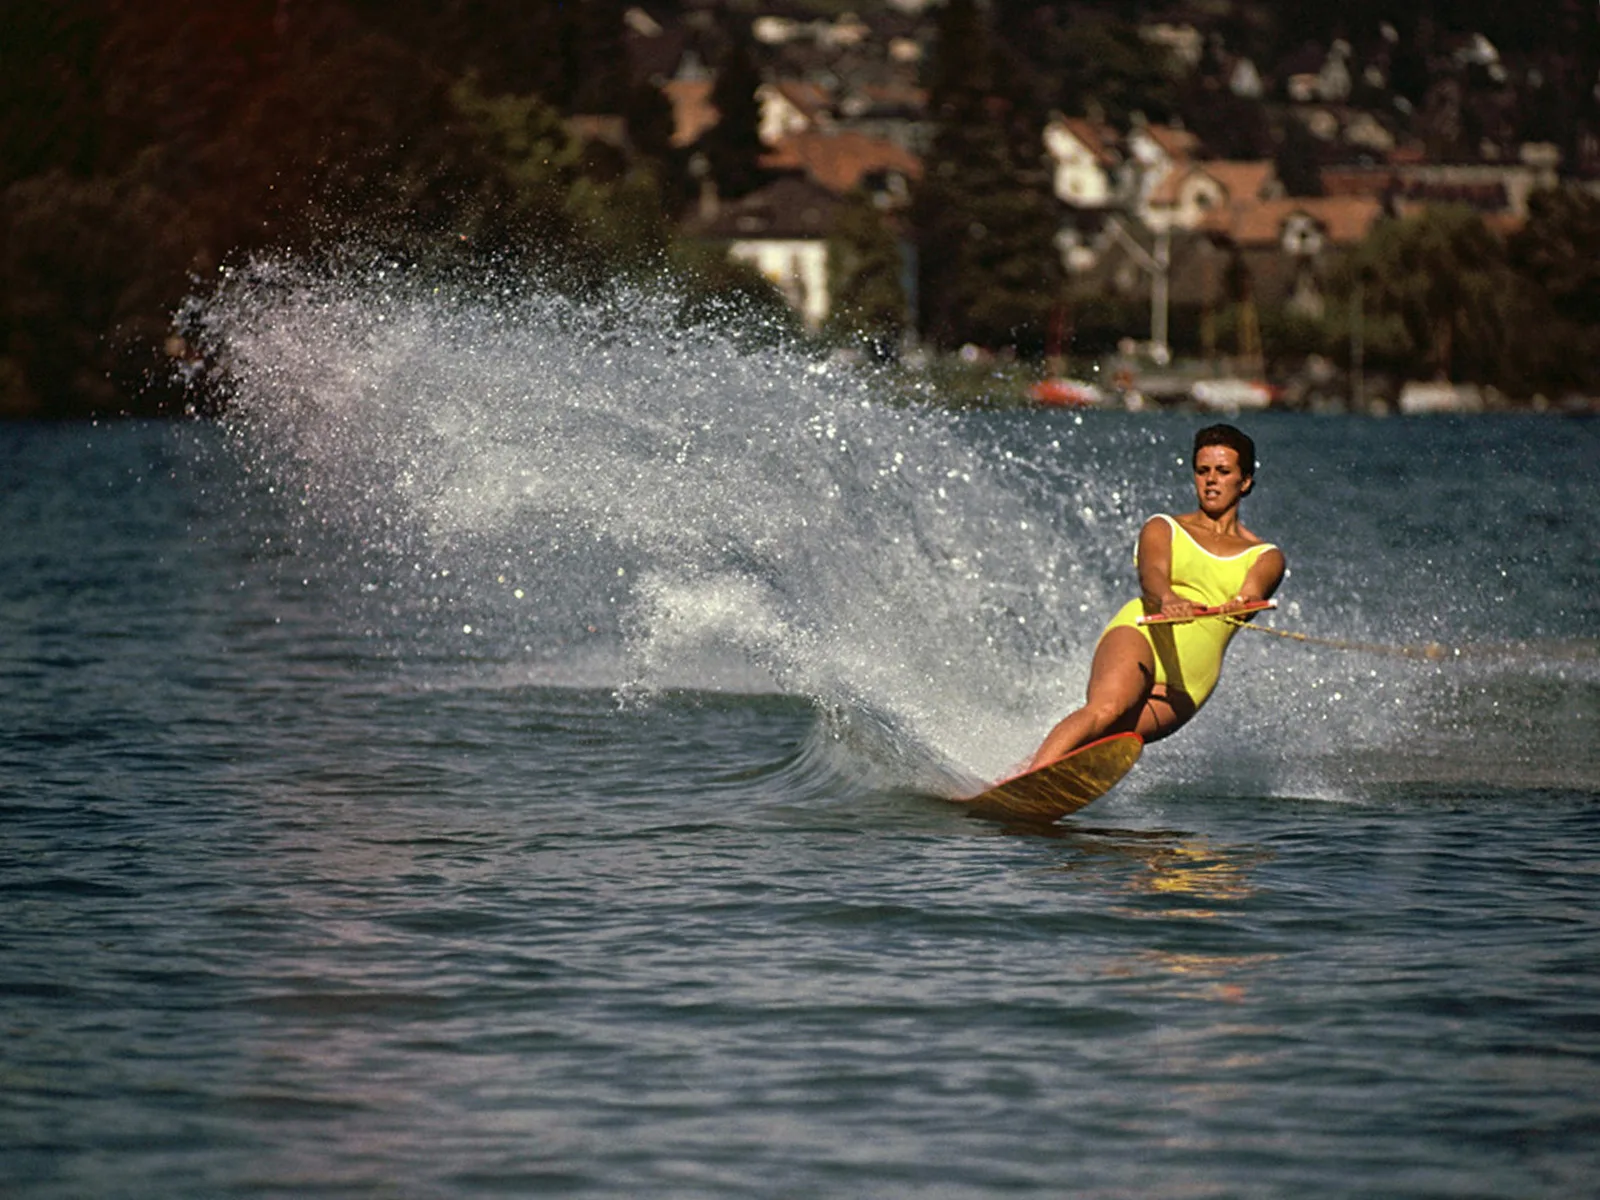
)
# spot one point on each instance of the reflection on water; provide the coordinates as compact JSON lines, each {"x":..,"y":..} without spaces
{"x":1168,"y":862}
{"x":1199,"y":869}
{"x":1172,"y":875}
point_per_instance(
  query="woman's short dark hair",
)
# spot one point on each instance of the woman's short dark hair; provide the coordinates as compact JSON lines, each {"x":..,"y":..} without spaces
{"x":1234,"y":439}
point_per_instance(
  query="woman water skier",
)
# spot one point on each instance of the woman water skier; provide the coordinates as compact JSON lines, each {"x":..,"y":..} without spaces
{"x":1151,"y":679}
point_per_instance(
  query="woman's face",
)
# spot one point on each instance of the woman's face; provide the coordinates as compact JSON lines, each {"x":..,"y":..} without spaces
{"x":1218,"y":483}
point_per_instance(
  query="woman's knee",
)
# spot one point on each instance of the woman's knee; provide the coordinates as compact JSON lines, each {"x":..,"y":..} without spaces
{"x":1103,"y":714}
{"x":1164,"y":714}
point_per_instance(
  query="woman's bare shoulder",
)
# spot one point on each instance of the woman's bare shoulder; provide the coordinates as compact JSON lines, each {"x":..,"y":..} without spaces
{"x":1255,"y":539}
{"x":1159,"y":527}
{"x":1249,"y":535}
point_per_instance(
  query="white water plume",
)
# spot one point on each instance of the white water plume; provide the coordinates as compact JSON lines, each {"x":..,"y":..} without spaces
{"x":540,"y":477}
{"x":604,"y":494}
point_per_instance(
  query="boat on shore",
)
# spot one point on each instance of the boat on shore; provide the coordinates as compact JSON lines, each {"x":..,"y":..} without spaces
{"x":1066,"y":393}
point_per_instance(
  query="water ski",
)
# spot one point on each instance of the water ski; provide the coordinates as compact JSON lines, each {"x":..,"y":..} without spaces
{"x":1063,"y":786}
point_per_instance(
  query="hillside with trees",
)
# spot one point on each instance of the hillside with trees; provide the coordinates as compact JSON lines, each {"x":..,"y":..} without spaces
{"x":145,"y":147}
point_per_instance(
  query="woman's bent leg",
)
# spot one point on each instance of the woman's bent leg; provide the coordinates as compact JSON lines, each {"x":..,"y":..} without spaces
{"x":1163,"y":712}
{"x":1120,"y":680}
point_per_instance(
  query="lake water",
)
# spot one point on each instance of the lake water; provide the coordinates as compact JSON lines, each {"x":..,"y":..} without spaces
{"x":505,"y":757}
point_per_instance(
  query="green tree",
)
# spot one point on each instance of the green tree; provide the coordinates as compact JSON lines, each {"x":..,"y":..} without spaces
{"x":730,"y":295}
{"x":142,"y":146}
{"x":538,"y":193}
{"x":1072,"y":56}
{"x":49,"y":86}
{"x":1557,"y":254}
{"x":985,"y":219}
{"x":1559,"y":248}
{"x":965,"y":162}
{"x":515,"y":46}
{"x":650,"y":122}
{"x":733,"y":145}
{"x":1298,"y":159}
{"x":649,"y":118}
{"x":90,"y":271}
{"x":868,"y":299}
{"x":961,"y":63}
{"x":602,"y":85}
{"x":1108,"y":64}
{"x":1443,"y":277}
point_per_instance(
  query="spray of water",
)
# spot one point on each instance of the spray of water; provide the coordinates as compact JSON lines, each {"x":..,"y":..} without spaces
{"x":607,"y":494}
{"x":603,"y":493}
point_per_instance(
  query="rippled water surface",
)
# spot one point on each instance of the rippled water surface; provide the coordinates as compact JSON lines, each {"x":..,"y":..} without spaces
{"x":460,"y":774}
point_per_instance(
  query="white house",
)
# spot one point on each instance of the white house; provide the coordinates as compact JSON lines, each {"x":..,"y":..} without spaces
{"x":789,"y":107}
{"x":781,"y":230}
{"x":1085,"y":161}
{"x":1155,"y":152}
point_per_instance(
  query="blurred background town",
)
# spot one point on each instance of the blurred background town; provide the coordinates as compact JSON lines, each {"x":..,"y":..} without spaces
{"x":1369,"y":205}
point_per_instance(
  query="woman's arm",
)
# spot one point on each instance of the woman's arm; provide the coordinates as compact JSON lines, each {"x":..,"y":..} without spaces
{"x":1266,"y":573}
{"x":1155,"y":572}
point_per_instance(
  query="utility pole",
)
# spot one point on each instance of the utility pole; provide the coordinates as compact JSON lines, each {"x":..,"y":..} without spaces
{"x":1156,"y":266}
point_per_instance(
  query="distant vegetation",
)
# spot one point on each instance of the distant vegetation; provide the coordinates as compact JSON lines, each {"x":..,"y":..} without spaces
{"x":1438,"y":293}
{"x":142,"y":147}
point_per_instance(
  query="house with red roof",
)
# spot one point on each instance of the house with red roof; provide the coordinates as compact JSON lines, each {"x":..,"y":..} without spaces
{"x":1288,"y":245}
{"x":781,"y":230}
{"x":846,"y":161}
{"x":1190,"y":193}
{"x":790,"y":107}
{"x":1155,"y":152}
{"x":692,"y":110}
{"x":1498,"y":191}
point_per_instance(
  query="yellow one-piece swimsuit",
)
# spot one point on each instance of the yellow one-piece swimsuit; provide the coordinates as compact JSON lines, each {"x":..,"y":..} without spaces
{"x":1189,"y":656}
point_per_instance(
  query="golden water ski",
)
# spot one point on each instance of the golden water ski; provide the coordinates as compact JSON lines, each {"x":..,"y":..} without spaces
{"x":1064,"y":786}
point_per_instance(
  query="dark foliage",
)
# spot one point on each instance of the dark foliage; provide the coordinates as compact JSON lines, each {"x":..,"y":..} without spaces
{"x":733,"y":145}
{"x":144,"y":146}
{"x":984,"y":216}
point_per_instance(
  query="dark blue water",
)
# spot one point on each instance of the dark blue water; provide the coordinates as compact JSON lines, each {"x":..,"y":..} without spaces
{"x":331,"y":864}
